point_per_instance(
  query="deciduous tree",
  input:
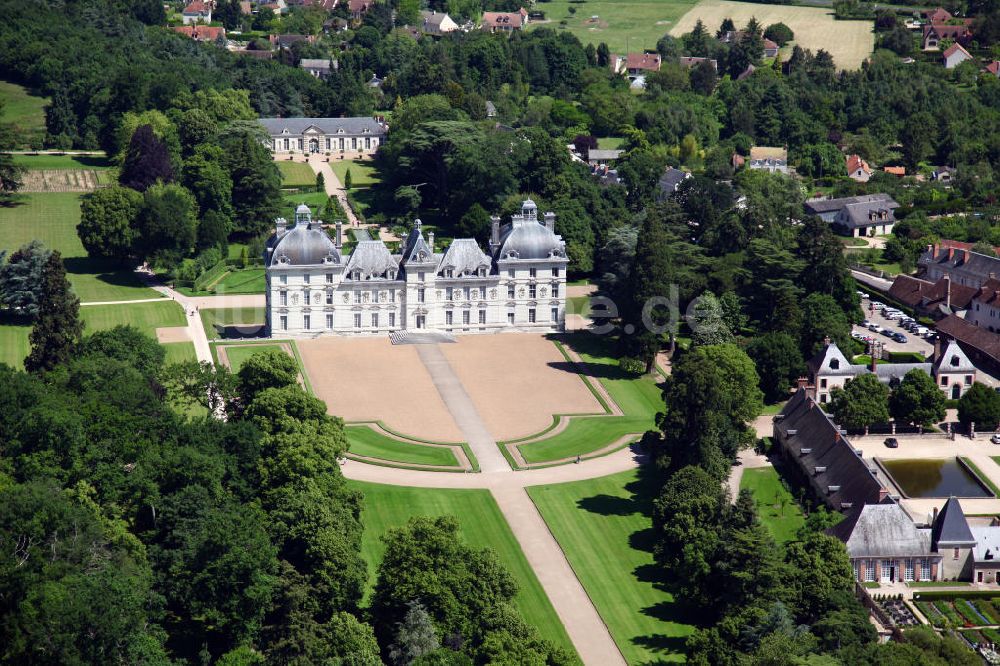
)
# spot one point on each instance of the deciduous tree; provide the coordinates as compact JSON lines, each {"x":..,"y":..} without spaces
{"x":863,"y":402}
{"x":107,"y":225}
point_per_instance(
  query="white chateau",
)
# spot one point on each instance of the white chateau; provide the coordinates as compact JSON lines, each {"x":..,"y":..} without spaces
{"x":312,"y":289}
{"x":337,"y":136}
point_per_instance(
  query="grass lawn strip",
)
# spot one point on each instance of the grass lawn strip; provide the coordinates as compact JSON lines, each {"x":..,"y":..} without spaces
{"x":178,"y":352}
{"x":147,"y":316}
{"x":296,"y":174}
{"x":777,"y":508}
{"x":369,"y":443}
{"x":482,"y":526}
{"x":362,"y":172}
{"x":14,"y":346}
{"x":603,"y":527}
{"x":982,"y":477}
{"x":26,"y":112}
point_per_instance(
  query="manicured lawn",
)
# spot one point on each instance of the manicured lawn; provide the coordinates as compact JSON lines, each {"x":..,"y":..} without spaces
{"x":147,"y":317}
{"x":638,"y":397}
{"x":238,"y":354}
{"x":92,"y":162}
{"x":610,"y":142}
{"x":296,"y":174}
{"x":26,"y":112}
{"x":246,"y":281}
{"x":230,"y":317}
{"x":987,"y":480}
{"x":315,"y":201}
{"x":482,"y":526}
{"x":603,"y":525}
{"x":178,"y":352}
{"x":633,"y":24}
{"x":578,"y":305}
{"x":362,"y":172}
{"x":778,"y":510}
{"x":14,"y":344}
{"x":51,"y":218}
{"x":366,"y":442}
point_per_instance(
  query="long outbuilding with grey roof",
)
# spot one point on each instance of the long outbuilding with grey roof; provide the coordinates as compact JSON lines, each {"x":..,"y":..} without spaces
{"x":333,"y":136}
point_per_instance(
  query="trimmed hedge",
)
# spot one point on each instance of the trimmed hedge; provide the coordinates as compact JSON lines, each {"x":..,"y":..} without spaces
{"x":950,"y":595}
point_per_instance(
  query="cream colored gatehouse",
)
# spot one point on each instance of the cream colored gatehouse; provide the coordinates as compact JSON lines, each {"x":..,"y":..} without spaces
{"x":314,"y":289}
{"x":337,"y":136}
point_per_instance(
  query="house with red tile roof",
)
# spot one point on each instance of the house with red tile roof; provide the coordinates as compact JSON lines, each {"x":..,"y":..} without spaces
{"x":993,"y":68}
{"x":939,"y":15}
{"x":733,"y":36}
{"x":955,"y":55}
{"x":196,"y":12}
{"x":898,"y":171}
{"x":635,"y":64}
{"x":857,"y":169}
{"x":359,"y":8}
{"x":504,"y":21}
{"x":936,"y":32}
{"x":202,"y":33}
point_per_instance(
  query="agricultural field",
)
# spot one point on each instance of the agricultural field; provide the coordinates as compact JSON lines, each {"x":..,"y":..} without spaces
{"x":482,"y":526}
{"x":632,"y":25}
{"x":26,"y":112}
{"x":603,"y":526}
{"x":52,"y":218}
{"x":849,"y":42}
{"x":296,"y":175}
{"x":778,"y":510}
{"x":362,"y":172}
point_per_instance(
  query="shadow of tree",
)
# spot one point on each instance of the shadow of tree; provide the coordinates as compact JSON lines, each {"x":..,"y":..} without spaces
{"x":104,"y":271}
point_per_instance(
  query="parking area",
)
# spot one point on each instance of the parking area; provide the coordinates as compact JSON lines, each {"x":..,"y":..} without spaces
{"x":914,"y":343}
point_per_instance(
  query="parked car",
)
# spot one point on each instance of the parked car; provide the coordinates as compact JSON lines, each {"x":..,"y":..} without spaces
{"x":874,"y":327}
{"x":922,"y":331}
{"x":899,"y":337}
{"x":995,"y":438}
{"x":866,"y":323}
{"x":887,"y":333}
{"x":891,"y":443}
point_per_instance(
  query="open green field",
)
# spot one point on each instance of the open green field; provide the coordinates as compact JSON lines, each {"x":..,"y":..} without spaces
{"x":604,"y":527}
{"x":482,"y":526}
{"x":93,"y":162}
{"x":632,"y":24}
{"x":238,"y":354}
{"x":362,"y":172}
{"x":639,"y":398}
{"x":849,"y":42}
{"x":147,"y":317}
{"x":315,"y":201}
{"x":778,"y":510}
{"x":296,"y":174}
{"x":26,"y":112}
{"x":366,"y":442}
{"x":178,"y":352}
{"x":14,"y":344}
{"x":229,"y":317}
{"x":52,"y":217}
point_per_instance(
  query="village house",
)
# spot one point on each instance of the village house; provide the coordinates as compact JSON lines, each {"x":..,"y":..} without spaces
{"x":980,"y":345}
{"x":436,"y":23}
{"x":286,"y":41}
{"x":939,"y":15}
{"x":325,"y":5}
{"x":932,"y":299}
{"x":202,"y":33}
{"x":950,"y":368}
{"x":635,"y":64}
{"x":520,"y":285}
{"x":691,"y":62}
{"x":954,"y":56}
{"x":935,"y":33}
{"x":318,"y":67}
{"x":984,"y":309}
{"x":857,"y":169}
{"x":733,"y":36}
{"x":765,"y":158}
{"x":279,"y":7}
{"x":669,"y":182}
{"x":504,"y":21}
{"x":597,"y":156}
{"x":957,"y":261}
{"x":344,"y":136}
{"x":993,"y":68}
{"x":898,"y":171}
{"x":359,"y":8}
{"x":197,"y":12}
{"x":865,"y":215}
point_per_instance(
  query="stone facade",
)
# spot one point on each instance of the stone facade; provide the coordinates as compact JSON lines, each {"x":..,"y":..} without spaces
{"x":313,"y":289}
{"x":338,"y":136}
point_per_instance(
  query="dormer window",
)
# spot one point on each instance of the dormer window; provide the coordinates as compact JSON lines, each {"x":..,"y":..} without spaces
{"x":340,"y":130}
{"x":482,"y":271}
{"x":954,"y":361}
{"x":449,"y":273}
{"x":834,"y":364}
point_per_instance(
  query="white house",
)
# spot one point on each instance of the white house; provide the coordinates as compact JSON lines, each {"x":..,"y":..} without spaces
{"x":955,"y":55}
{"x":342,"y":136}
{"x":314,"y":289}
{"x":197,"y":12}
{"x":436,"y":23}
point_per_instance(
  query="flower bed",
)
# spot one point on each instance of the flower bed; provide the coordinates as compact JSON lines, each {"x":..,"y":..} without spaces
{"x":946,"y":609}
{"x":988,"y":609}
{"x":971,"y":616}
{"x":932,"y":614}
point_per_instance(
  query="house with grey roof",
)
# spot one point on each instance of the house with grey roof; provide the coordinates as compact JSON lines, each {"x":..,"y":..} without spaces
{"x":885,"y":546}
{"x":436,"y":23}
{"x":953,"y":540}
{"x":865,"y":215}
{"x":830,"y":369}
{"x":669,"y":182}
{"x":318,"y":67}
{"x":961,"y":265}
{"x":519,"y":284}
{"x":352,"y":137}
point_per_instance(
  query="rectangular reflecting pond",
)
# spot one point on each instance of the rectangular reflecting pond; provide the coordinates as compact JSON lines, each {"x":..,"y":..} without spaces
{"x":934,"y":478}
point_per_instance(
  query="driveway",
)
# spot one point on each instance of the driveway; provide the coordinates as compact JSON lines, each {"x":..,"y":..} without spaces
{"x":913,"y":343}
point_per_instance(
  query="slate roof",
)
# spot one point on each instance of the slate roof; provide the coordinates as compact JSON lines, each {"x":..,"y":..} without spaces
{"x":987,"y":548}
{"x":859,"y":214}
{"x":831,"y":361}
{"x":889,"y":372}
{"x":953,"y":359}
{"x":882,"y":530}
{"x":971,"y":336}
{"x":416,"y":249}
{"x":915,"y":292}
{"x":305,"y":244}
{"x":528,"y":238}
{"x":818,"y":206}
{"x":692,"y":61}
{"x":604,"y":154}
{"x":970,"y":262}
{"x":314,"y":63}
{"x":464,"y":256}
{"x":950,"y":529}
{"x":837,"y":472}
{"x":671,"y":180}
{"x":276,"y":126}
{"x":372,"y":259}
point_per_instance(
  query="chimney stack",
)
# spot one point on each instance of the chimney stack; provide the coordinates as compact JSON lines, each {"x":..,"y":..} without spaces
{"x":430,"y":241}
{"x":875,"y":354}
{"x":947,"y":291}
{"x":550,"y":221}
{"x":280,"y":227}
{"x":338,"y":240}
{"x":951,"y":253}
